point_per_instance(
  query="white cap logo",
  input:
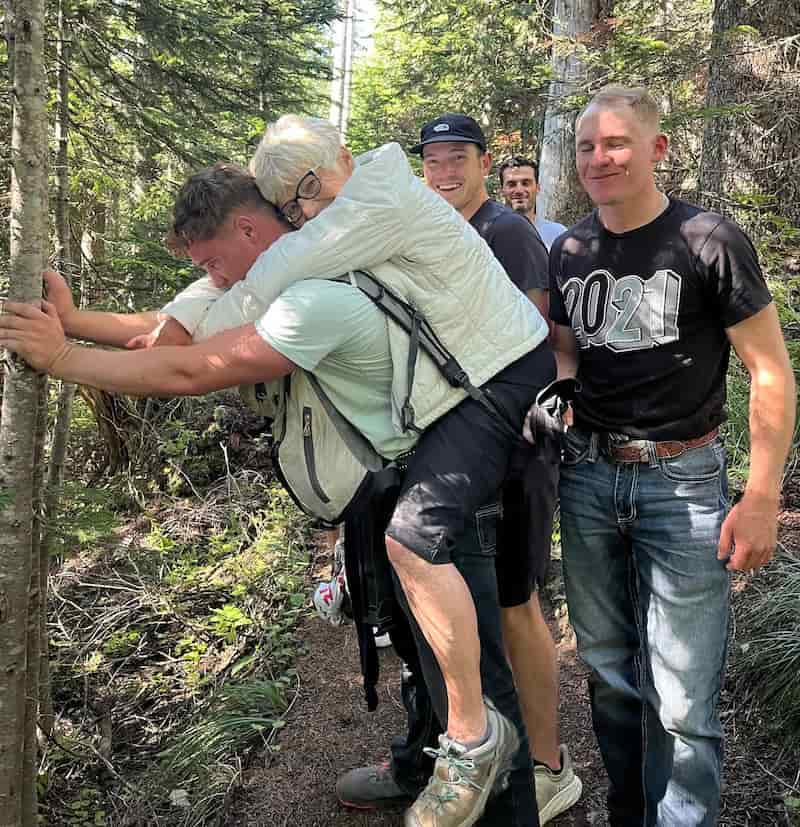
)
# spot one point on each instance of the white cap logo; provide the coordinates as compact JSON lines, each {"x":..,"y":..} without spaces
{"x":441,"y":127}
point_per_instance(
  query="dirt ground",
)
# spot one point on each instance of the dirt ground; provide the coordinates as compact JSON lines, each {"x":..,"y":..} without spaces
{"x":329,"y":730}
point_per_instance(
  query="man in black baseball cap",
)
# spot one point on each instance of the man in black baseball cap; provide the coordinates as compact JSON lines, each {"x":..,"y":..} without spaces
{"x":453,"y":127}
{"x":458,"y":171}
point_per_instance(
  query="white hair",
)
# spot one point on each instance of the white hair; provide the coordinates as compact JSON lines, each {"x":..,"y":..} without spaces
{"x":289,"y":149}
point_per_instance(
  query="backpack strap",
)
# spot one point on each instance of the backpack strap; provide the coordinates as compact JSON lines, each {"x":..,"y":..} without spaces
{"x":422,"y":336}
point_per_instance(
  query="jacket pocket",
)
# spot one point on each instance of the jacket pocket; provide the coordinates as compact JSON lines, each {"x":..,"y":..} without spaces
{"x":308,"y":452}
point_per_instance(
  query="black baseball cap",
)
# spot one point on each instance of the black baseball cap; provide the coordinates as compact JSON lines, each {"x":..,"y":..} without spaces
{"x":450,"y":126}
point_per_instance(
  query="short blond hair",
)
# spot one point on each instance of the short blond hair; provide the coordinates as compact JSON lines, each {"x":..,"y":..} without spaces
{"x":636,"y":98}
{"x":290,"y":147}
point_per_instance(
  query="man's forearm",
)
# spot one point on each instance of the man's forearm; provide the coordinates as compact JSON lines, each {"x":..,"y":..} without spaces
{"x":231,"y":359}
{"x":773,"y":399}
{"x":565,"y":349}
{"x":109,"y":328}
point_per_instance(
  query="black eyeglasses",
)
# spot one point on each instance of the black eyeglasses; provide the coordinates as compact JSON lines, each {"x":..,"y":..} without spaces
{"x":309,"y":187}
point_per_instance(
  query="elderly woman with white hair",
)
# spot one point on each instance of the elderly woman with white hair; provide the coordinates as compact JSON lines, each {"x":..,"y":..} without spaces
{"x":355,"y":214}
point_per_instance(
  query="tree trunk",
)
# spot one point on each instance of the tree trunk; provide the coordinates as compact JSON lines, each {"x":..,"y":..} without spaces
{"x":561,"y":197}
{"x":93,"y":242}
{"x":60,"y":439}
{"x":28,"y":245}
{"x":751,"y":142}
{"x":30,"y":801}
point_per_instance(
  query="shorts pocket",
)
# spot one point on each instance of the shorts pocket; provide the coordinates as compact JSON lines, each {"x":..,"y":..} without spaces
{"x":702,"y":464}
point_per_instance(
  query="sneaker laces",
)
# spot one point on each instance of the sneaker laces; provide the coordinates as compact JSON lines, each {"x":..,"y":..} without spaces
{"x":456,"y":766}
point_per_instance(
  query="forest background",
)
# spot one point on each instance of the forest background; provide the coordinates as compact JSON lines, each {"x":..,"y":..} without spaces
{"x":177,"y":569}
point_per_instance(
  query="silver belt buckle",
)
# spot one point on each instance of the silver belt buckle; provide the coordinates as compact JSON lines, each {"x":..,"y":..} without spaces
{"x":640,"y":445}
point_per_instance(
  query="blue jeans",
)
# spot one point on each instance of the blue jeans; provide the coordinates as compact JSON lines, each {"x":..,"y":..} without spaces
{"x":648,"y":600}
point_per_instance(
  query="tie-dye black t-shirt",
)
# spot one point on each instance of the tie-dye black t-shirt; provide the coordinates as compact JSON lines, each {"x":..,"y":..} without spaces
{"x":649,"y":309}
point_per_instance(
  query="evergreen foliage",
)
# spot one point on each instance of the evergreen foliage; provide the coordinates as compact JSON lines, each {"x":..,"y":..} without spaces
{"x":487,"y":58}
{"x":161,"y":87}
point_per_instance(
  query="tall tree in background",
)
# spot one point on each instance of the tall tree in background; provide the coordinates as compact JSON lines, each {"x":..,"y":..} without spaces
{"x":28,"y":243}
{"x":344,"y":43}
{"x":561,"y":197}
{"x":59,"y":441}
{"x":751,"y":143}
{"x":488,"y":58}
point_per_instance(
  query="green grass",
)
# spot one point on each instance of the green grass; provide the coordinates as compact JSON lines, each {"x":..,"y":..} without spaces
{"x":87,"y":516}
{"x":765,"y":656}
{"x":765,"y":660}
{"x":188,"y":632}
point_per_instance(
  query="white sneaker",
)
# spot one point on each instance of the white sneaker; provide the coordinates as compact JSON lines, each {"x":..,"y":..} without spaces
{"x":556,"y":791}
{"x":329,"y":600}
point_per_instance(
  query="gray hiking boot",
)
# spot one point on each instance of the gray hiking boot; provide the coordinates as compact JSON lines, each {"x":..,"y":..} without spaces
{"x":370,"y":788}
{"x":463,"y":779}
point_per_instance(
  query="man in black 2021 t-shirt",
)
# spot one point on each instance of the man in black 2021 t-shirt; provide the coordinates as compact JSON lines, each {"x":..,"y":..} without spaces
{"x":650,"y":320}
{"x":648,"y":294}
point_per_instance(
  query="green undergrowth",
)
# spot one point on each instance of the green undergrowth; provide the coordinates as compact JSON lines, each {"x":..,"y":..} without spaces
{"x":765,"y":648}
{"x":88,"y":516}
{"x":172,"y":644}
{"x":765,"y":657}
{"x":786,"y":292}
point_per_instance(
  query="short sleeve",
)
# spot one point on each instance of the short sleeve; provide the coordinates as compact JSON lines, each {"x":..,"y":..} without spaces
{"x":191,"y":305}
{"x":311,"y":320}
{"x":517,"y":246}
{"x":729,"y":263}
{"x":558,"y":312}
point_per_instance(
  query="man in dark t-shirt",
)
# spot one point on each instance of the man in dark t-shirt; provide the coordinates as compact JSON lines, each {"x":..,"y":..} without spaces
{"x":455,"y":164}
{"x":648,"y":294}
{"x":650,"y":326}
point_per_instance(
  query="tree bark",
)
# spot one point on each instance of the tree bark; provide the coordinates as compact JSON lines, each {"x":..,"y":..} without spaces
{"x":28,"y":244}
{"x":751,"y":142}
{"x":60,"y":439}
{"x":30,"y":800}
{"x":561,"y":197}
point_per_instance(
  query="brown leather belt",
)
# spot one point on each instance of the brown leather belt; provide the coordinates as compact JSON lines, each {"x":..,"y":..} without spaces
{"x":639,"y":450}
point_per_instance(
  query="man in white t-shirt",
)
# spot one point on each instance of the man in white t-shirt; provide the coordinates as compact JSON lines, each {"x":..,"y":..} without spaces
{"x":519,"y":183}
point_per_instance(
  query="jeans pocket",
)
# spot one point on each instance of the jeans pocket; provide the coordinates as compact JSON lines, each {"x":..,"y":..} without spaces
{"x":487,"y":523}
{"x":574,"y":447}
{"x":702,"y":464}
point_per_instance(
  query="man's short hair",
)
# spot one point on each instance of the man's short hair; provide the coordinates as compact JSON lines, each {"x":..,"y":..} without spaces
{"x":636,"y":98}
{"x":291,"y":147}
{"x":518,"y":161}
{"x":207,"y":199}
